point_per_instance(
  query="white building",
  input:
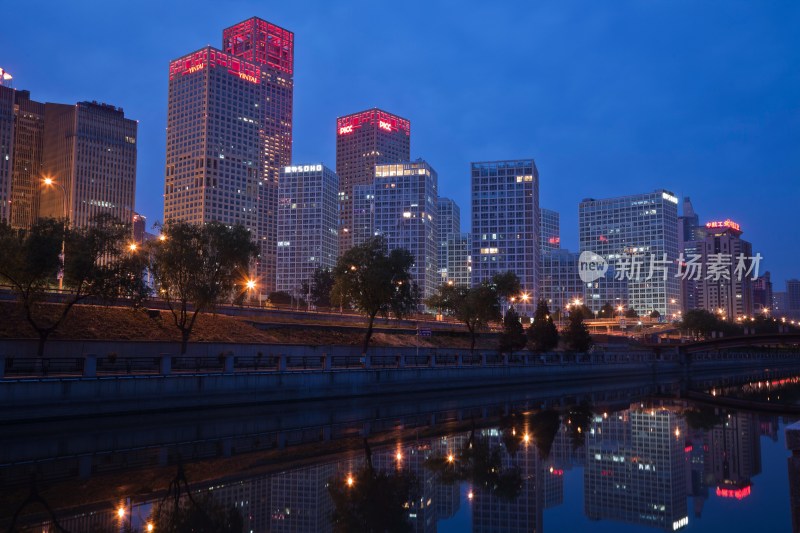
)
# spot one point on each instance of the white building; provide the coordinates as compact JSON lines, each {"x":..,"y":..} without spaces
{"x":629,"y":233}
{"x":307,"y":224}
{"x":406,"y":215}
{"x":505,"y":224}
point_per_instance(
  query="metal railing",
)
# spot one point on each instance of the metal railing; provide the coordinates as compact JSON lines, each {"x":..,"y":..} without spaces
{"x":91,"y":365}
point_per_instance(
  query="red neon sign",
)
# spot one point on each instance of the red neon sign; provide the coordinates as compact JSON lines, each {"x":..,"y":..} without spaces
{"x":554,"y":240}
{"x":383,"y":120}
{"x":727,"y":223}
{"x":739,"y":493}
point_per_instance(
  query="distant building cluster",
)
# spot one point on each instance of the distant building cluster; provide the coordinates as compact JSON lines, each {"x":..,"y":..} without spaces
{"x":229,"y":159}
{"x":64,"y":161}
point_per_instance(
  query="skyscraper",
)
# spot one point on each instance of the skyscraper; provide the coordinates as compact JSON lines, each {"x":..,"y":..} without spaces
{"x":549,"y":230}
{"x":363,"y":222}
{"x":406,"y":214}
{"x":762,"y":294}
{"x":307,"y":222}
{"x":229,"y":134}
{"x":21,"y":136}
{"x":560,"y":282}
{"x":690,"y":234}
{"x":7,"y":99}
{"x":640,"y":230}
{"x":505,"y":223}
{"x":90,"y":153}
{"x":449,"y":230}
{"x":730,"y":294}
{"x":364,"y":140}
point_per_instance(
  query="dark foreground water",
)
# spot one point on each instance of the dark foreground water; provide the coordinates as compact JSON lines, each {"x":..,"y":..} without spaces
{"x":597,"y":457}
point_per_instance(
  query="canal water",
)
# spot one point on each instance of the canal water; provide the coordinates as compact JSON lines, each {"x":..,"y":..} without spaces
{"x":707,"y":454}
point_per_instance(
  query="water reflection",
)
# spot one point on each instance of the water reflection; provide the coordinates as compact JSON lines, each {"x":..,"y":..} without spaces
{"x":654,"y":462}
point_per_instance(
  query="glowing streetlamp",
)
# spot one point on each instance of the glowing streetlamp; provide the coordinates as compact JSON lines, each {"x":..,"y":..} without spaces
{"x":50,"y":182}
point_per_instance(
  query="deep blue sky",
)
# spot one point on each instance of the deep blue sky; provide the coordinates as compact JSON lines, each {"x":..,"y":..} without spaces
{"x":610,"y":98}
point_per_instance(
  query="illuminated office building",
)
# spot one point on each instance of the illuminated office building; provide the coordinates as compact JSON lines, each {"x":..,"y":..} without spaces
{"x":90,"y":153}
{"x":307,"y":222}
{"x":729,"y":295}
{"x":505,"y":224}
{"x":630,"y":230}
{"x":229,"y":134}
{"x":549,"y":230}
{"x":364,"y":140}
{"x":21,"y":152}
{"x":406,"y":215}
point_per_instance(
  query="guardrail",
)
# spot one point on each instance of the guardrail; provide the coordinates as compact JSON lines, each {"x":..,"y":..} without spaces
{"x":91,"y":365}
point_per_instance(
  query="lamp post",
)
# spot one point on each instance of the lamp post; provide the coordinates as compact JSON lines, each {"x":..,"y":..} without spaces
{"x":50,"y":182}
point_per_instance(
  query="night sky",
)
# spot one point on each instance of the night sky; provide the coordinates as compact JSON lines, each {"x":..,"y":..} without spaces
{"x":610,"y":98}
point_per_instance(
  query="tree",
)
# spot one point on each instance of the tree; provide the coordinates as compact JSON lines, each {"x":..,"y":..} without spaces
{"x":631,"y":313}
{"x":585,"y":311}
{"x":95,"y":264}
{"x":654,"y":314}
{"x":506,"y":284}
{"x":373,"y":282}
{"x":701,"y":323}
{"x":577,"y":334}
{"x":607,"y":311}
{"x":280,"y":298}
{"x":475,"y":306}
{"x":196,"y":267}
{"x":513,"y":335}
{"x":319,"y":287}
{"x":542,"y":333}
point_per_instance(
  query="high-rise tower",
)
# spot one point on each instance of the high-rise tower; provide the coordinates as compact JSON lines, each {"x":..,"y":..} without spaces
{"x":364,"y":140}
{"x":229,"y":134}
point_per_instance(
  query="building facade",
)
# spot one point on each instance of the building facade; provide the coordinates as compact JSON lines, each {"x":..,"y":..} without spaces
{"x":90,"y":154}
{"x":21,"y":156}
{"x":690,"y":234}
{"x":549,"y":230}
{"x":363,"y":221}
{"x":307,"y":225}
{"x":459,"y":260}
{"x":637,"y":237}
{"x":505,"y":223}
{"x":559,"y":280}
{"x":406,"y":215}
{"x":364,"y":140}
{"x":728,"y":294}
{"x":449,"y":232}
{"x":762,"y":294}
{"x":7,"y":101}
{"x":229,"y":134}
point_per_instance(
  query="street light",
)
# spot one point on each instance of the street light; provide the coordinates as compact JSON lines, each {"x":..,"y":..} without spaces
{"x":50,"y":182}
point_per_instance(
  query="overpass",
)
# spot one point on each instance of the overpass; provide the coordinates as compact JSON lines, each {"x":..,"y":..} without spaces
{"x":761,"y":340}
